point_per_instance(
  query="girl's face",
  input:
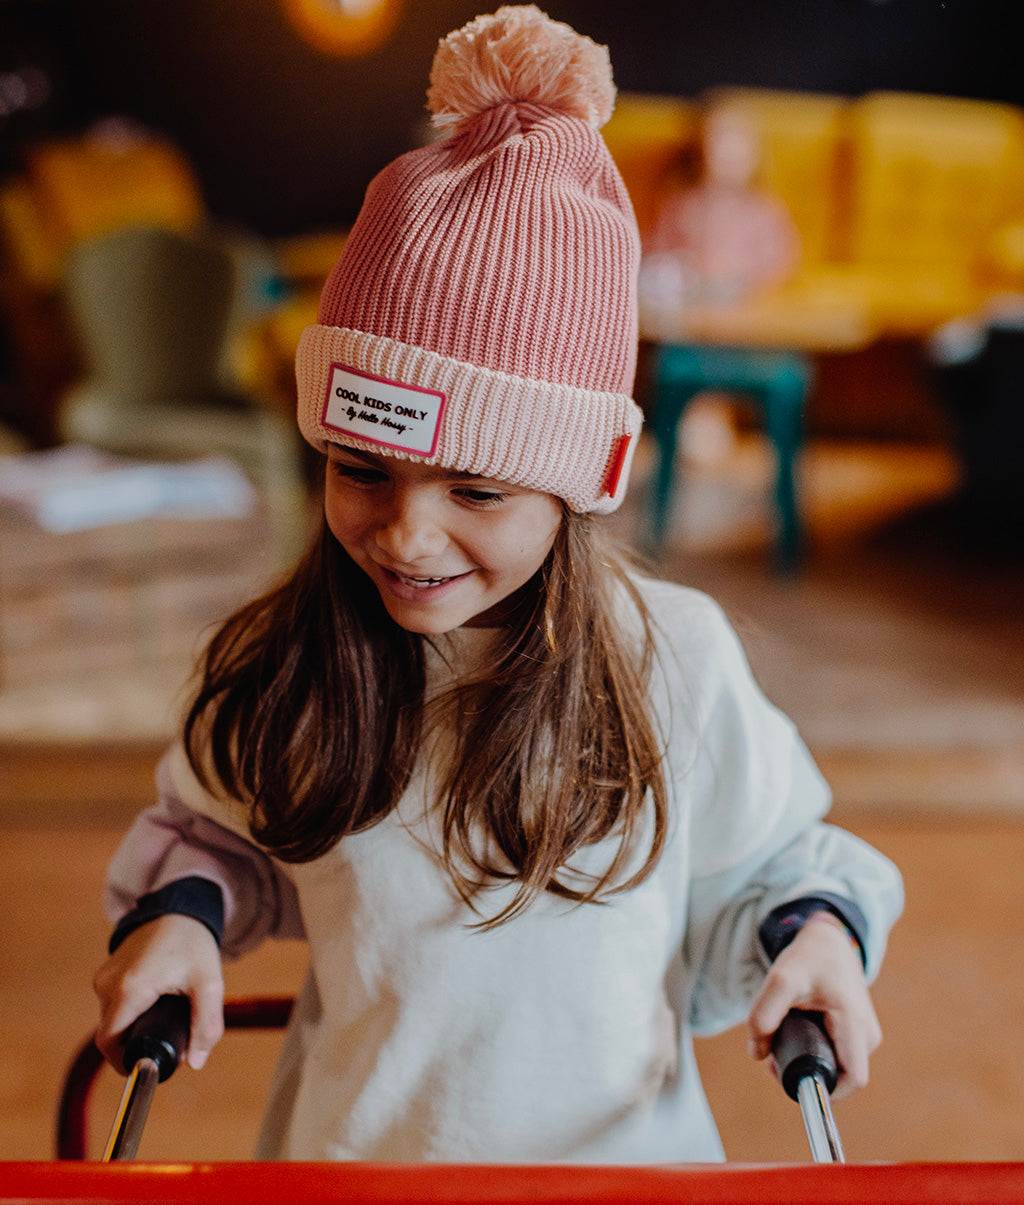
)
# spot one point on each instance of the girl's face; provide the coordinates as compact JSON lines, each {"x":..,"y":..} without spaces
{"x":444,"y":548}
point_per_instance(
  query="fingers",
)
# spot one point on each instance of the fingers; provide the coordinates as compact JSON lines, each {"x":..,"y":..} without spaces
{"x":856,"y":1035}
{"x":820,"y":972}
{"x":172,"y":955}
{"x":777,"y":997}
{"x":122,"y":999}
{"x":207,"y":1022}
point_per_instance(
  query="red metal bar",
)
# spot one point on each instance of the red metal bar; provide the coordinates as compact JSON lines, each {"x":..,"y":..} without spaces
{"x":260,"y":1012}
{"x":72,"y":1111}
{"x":477,"y":1184}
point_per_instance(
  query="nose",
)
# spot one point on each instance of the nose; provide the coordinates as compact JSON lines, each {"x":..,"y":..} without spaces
{"x":409,"y":529}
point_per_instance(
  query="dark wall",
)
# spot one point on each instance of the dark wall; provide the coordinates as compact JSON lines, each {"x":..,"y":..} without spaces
{"x":285,"y":138}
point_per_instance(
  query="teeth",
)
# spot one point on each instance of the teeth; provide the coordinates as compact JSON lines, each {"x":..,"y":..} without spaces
{"x":423,"y":582}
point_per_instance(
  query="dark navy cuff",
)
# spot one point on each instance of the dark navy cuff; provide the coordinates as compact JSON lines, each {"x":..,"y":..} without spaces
{"x":197,"y":897}
{"x":782,"y":924}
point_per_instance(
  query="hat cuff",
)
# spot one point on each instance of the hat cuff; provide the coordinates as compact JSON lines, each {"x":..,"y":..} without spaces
{"x":577,"y":444}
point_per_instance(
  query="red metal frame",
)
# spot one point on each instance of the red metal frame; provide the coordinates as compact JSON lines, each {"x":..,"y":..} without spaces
{"x":75,"y":1181}
{"x":480,"y":1184}
{"x":259,"y":1012}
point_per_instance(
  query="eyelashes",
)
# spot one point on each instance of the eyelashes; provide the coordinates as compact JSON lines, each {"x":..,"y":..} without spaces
{"x":483,"y":499}
{"x":366,"y":477}
{"x":357,"y":474}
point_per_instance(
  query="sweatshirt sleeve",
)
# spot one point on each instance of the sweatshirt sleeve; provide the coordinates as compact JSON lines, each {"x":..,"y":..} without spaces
{"x":173,"y":841}
{"x":757,"y":840}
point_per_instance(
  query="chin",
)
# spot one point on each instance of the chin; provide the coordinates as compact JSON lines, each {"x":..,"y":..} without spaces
{"x":425,"y":625}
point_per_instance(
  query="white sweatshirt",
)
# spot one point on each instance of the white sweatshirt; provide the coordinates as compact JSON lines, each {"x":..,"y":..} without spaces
{"x":563,"y":1035}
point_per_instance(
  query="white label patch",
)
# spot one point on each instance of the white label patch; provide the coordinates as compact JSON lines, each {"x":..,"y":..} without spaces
{"x":404,"y":417}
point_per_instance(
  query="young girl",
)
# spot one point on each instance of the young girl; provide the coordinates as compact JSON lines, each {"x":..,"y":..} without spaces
{"x":719,"y":238}
{"x":530,"y":811}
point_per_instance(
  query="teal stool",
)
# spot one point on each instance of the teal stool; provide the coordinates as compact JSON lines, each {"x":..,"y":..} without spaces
{"x":778,"y":381}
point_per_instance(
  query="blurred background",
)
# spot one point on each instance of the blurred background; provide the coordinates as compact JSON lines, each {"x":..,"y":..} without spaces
{"x":833,"y":450}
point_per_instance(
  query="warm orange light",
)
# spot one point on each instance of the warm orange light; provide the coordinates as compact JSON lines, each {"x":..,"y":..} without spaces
{"x":346,"y":27}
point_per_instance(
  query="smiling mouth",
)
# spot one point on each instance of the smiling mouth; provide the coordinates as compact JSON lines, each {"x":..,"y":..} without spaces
{"x":423,"y":583}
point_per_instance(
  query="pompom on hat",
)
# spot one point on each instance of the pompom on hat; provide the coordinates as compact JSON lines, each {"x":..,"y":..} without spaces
{"x":482,"y":315}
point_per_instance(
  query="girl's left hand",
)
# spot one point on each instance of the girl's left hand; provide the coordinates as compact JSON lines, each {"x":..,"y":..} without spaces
{"x":821,"y":971}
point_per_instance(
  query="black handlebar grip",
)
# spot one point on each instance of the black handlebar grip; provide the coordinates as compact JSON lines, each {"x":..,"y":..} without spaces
{"x":161,"y":1034}
{"x":802,"y":1047}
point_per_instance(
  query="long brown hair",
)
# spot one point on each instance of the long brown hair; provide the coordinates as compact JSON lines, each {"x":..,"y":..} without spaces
{"x":311,"y":709}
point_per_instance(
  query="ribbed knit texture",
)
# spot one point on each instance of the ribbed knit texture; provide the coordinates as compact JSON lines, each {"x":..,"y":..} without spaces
{"x":510,"y":247}
{"x":554,"y":438}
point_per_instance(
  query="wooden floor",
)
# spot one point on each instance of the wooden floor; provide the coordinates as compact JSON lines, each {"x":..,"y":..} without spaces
{"x":947,"y":1083}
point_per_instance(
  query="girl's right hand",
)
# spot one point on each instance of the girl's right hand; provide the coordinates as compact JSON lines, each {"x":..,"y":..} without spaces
{"x":173,"y":954}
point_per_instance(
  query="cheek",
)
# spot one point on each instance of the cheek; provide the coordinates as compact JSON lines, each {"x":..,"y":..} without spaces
{"x":541,"y":527}
{"x":331,"y":513}
{"x":550,"y":521}
{"x":342,"y":517}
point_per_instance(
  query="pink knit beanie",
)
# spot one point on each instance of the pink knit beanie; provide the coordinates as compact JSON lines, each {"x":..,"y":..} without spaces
{"x":482,"y":315}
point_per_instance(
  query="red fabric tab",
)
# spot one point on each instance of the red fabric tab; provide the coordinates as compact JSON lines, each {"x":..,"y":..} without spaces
{"x":615,"y":469}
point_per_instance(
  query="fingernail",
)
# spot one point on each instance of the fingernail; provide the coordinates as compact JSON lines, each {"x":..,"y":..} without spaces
{"x":197,"y":1060}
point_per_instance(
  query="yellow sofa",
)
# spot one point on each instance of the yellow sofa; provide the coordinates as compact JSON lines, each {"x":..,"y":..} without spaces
{"x":909,"y":207}
{"x":75,"y":189}
{"x":72,"y":190}
{"x":68,"y":191}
